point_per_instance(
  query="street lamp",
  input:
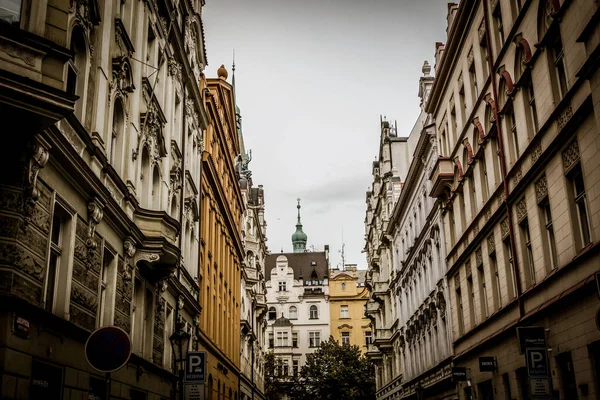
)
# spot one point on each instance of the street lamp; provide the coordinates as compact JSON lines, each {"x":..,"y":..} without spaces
{"x":180,"y":340}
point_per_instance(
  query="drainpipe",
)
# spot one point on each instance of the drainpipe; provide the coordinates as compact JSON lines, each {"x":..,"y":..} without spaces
{"x":252,"y":348}
{"x":502,"y":159}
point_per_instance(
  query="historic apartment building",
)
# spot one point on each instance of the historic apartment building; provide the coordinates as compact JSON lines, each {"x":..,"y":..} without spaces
{"x":253,"y":303}
{"x":348,"y":295}
{"x":100,"y":207}
{"x":515,"y":106}
{"x":297,"y":300}
{"x":221,"y":248}
{"x":388,"y":173}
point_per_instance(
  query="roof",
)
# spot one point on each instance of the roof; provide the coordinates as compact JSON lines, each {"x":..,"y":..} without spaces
{"x":282,"y":321}
{"x":301,"y":263}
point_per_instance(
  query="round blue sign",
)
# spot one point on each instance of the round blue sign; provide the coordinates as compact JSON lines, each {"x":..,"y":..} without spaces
{"x":108,"y":349}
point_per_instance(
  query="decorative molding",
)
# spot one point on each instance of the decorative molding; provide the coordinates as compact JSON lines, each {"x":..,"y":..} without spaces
{"x":536,"y":151}
{"x":39,"y":153}
{"x":467,"y":146}
{"x":95,"y":215}
{"x":570,"y":155}
{"x":479,"y":128}
{"x":457,"y":280}
{"x":468,"y":268}
{"x":129,"y":251}
{"x":504,"y":229}
{"x":564,"y":117}
{"x":541,"y":189}
{"x":521,"y":210}
{"x":518,"y":176}
{"x":460,"y":168}
{"x":491,"y":242}
{"x":478,"y":257}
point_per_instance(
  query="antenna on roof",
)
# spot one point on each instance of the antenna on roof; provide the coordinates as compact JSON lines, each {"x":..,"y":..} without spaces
{"x":343,"y":251}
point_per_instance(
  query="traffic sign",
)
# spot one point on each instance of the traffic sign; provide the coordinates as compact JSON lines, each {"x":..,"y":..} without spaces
{"x":196,"y":367}
{"x":108,"y":349}
{"x":194,"y":392}
{"x":537,"y":362}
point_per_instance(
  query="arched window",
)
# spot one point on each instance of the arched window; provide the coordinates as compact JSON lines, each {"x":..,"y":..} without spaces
{"x":117,"y":139}
{"x":272,"y":313}
{"x":210,"y":388}
{"x":343,"y":286}
{"x":293,"y":312}
{"x":314,"y":312}
{"x":77,"y":70}
{"x":156,"y":189}
{"x":146,"y":178}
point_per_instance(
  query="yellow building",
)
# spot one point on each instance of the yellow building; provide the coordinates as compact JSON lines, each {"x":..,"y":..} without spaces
{"x":221,"y":249}
{"x":347,"y":298}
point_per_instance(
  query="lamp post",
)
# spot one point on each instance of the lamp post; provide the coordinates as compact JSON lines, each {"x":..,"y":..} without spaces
{"x":180,"y":340}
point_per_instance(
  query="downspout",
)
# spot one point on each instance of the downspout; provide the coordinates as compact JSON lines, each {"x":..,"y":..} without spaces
{"x":252,"y":348}
{"x":502,"y":160}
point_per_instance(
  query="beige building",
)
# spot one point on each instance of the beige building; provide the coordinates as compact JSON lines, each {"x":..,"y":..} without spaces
{"x":348,"y":297}
{"x":101,"y":195}
{"x":515,"y":103}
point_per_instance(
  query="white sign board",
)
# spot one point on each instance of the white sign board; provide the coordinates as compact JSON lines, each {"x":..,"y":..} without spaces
{"x":539,"y":387}
{"x":194,"y":392}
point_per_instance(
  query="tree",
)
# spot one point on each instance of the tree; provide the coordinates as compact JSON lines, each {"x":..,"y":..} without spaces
{"x":277,"y":384}
{"x":338,"y":372}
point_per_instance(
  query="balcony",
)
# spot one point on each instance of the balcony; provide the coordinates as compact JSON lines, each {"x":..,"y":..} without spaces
{"x":32,"y":79}
{"x":308,"y":292}
{"x":441,"y":176}
{"x":372,"y":307}
{"x":383,"y":338}
{"x":381,"y":288}
{"x":373,"y":352}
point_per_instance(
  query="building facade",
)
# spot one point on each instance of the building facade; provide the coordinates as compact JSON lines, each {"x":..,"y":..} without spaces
{"x":253,"y":306}
{"x":297,"y":301}
{"x":222,"y":251}
{"x":515,"y":105}
{"x":348,"y":296}
{"x":418,"y":279}
{"x":387,"y":173}
{"x":96,"y":189}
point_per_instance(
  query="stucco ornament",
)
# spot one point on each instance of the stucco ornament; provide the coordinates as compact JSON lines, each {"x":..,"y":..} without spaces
{"x":129,"y":252}
{"x":39,"y":155}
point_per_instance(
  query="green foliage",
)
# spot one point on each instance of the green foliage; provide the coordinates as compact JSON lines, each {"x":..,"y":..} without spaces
{"x":337,"y":372}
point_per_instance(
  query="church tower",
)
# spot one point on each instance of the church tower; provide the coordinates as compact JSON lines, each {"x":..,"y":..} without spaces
{"x":299,"y":237}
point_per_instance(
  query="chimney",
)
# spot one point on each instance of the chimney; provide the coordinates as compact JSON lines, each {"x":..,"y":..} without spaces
{"x":327,"y":254}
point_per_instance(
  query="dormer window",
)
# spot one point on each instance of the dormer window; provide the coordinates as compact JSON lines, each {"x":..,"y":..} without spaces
{"x":283,"y":286}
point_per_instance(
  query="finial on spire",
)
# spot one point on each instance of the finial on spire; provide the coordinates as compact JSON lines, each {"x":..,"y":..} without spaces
{"x":426,"y":68}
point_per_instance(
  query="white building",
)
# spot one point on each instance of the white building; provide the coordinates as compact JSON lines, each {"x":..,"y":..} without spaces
{"x":253,"y":290}
{"x":405,"y":250}
{"x":297,"y":300}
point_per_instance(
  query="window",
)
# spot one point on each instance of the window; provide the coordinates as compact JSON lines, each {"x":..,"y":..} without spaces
{"x":463,"y":210}
{"x":483,"y":302}
{"x":117,"y":136}
{"x":510,"y":277}
{"x":343,"y":286}
{"x":459,"y":309}
{"x":516,"y":7}
{"x":498,"y":27}
{"x":282,"y":339}
{"x":527,"y":252}
{"x":314,"y":312}
{"x":106,"y":289}
{"x":557,"y":59}
{"x":293,"y":312}
{"x":529,"y":99}
{"x":344,"y":312}
{"x":167,"y":360}
{"x":77,"y":70}
{"x":283,"y":286}
{"x":59,"y":260}
{"x":142,"y":319}
{"x":286,"y":367}
{"x":271,"y":340}
{"x":550,"y":242}
{"x":471,"y":298}
{"x":485,"y":186}
{"x":346,"y":338}
{"x":368,"y":338}
{"x":314,"y":339}
{"x":472,"y":201}
{"x":295,"y":367}
{"x":10,"y":11}
{"x":272,"y":313}
{"x":294,"y":339}
{"x":581,"y":221}
{"x":148,"y":332}
{"x":513,"y":136}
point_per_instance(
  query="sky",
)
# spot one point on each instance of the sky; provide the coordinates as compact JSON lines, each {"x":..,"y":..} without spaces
{"x":312,"y":79}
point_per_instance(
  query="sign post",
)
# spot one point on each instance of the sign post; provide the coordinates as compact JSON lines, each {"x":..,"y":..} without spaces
{"x":107,"y":350}
{"x":195,"y":375}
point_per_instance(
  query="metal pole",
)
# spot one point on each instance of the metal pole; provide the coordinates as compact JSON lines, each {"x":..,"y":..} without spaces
{"x":107,"y":387}
{"x":181,"y":372}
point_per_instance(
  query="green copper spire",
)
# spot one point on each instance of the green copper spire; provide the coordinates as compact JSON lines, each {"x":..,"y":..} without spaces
{"x":299,"y":237}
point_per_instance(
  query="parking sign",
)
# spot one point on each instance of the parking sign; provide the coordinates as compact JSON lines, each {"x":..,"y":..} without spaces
{"x":196,"y":367}
{"x":537,"y":362}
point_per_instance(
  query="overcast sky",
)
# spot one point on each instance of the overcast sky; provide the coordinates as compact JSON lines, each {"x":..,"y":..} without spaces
{"x":312,"y":79}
